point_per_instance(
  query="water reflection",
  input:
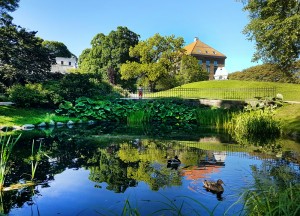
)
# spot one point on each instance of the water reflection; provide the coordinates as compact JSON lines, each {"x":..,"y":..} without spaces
{"x":120,"y":162}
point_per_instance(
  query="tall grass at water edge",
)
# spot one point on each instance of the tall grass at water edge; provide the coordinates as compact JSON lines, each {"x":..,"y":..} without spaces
{"x":213,"y":117}
{"x":7,"y":144}
{"x":138,"y":118}
{"x":254,"y":127}
{"x":271,"y":201}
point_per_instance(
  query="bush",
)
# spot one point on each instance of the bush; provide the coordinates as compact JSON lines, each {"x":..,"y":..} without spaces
{"x":30,"y":95}
{"x":264,"y":73}
{"x":75,"y":85}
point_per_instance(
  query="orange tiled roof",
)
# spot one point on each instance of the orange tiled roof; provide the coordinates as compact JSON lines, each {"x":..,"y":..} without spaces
{"x":200,"y":48}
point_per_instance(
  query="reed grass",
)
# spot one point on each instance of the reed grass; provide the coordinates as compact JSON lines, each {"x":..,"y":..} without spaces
{"x":35,"y":158}
{"x":213,"y":117}
{"x":273,"y":201}
{"x":255,"y":127}
{"x":7,"y":144}
{"x":138,"y":118}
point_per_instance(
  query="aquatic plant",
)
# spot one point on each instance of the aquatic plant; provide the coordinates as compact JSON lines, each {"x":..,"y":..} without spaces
{"x":255,"y":127}
{"x":7,"y":144}
{"x":138,"y":118}
{"x":213,"y":116}
{"x":276,"y":191}
{"x":35,"y":158}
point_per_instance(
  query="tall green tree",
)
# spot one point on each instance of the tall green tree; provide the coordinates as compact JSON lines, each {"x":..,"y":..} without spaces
{"x":190,"y":71}
{"x":58,"y":49}
{"x":159,"y":62}
{"x":108,"y":52}
{"x":23,"y":59}
{"x":275,"y":28}
{"x":8,"y":6}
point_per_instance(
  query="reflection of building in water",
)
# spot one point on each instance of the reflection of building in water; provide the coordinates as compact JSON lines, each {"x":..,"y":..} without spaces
{"x":209,"y":139}
{"x":212,"y":163}
{"x":196,"y":172}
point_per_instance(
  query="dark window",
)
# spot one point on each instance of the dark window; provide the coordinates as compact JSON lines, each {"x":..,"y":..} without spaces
{"x":62,"y":62}
{"x":215,"y":66}
{"x":70,"y":64}
{"x":208,"y":66}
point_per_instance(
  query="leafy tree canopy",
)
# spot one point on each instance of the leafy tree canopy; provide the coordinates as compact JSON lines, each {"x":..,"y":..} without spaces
{"x":8,"y":6}
{"x":108,"y":52}
{"x":58,"y":49}
{"x":265,"y":72}
{"x":160,"y":63}
{"x":275,"y":27}
{"x":23,"y":59}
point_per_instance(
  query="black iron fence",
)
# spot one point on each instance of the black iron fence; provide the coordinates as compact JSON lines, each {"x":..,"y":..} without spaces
{"x":211,"y":93}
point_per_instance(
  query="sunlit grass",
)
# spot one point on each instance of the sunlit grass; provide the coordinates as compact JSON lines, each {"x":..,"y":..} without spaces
{"x":290,"y":92}
{"x":14,"y":116}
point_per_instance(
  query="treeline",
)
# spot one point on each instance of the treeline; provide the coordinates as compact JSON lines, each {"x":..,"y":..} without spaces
{"x":268,"y":73}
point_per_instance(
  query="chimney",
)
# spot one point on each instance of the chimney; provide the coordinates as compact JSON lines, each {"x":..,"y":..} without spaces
{"x":196,"y":38}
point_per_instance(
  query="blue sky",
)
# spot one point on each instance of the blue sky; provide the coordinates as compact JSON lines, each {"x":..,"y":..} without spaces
{"x":218,"y":23}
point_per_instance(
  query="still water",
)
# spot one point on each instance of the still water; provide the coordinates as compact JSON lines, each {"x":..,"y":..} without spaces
{"x":107,"y":169}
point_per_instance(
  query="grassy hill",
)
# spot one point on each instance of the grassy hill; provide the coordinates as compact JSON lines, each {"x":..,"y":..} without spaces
{"x":290,"y":92}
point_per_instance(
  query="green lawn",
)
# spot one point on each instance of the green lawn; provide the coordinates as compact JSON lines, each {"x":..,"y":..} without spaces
{"x":213,"y":90}
{"x":289,"y":115}
{"x":13,"y":116}
{"x":290,"y":92}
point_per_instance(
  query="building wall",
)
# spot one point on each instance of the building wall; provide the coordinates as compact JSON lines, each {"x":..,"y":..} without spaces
{"x":212,"y":66}
{"x":64,"y":64}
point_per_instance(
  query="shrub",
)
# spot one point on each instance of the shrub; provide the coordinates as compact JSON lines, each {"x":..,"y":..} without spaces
{"x":30,"y":95}
{"x":265,"y":73}
{"x":254,"y":127}
{"x":75,"y":85}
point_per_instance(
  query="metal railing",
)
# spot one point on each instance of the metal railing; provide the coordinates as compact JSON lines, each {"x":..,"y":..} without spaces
{"x":211,"y":93}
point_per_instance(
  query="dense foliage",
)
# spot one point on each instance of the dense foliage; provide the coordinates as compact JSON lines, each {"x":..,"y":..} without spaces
{"x":119,"y":110}
{"x":23,"y":59}
{"x":161,"y":64}
{"x":108,"y":52}
{"x":275,"y":28}
{"x":265,"y":73}
{"x":58,"y":49}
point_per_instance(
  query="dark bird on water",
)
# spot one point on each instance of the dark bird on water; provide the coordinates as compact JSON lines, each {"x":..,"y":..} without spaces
{"x":215,"y":187}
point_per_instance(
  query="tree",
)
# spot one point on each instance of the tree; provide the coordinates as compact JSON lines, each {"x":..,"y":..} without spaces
{"x":159,"y":61}
{"x":58,"y":49}
{"x":108,"y":53}
{"x":190,"y":71}
{"x":23,"y":59}
{"x":275,"y":27}
{"x":8,"y":6}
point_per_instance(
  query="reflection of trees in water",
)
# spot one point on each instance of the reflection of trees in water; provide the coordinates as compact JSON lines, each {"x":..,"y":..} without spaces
{"x":112,"y":170}
{"x":276,"y":189}
{"x":278,"y":173}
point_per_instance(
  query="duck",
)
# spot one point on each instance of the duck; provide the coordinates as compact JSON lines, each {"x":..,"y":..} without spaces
{"x":215,"y":187}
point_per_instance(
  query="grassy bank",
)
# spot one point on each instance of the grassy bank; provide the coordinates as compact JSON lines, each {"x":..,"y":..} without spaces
{"x":13,"y":116}
{"x":289,"y":115}
{"x":290,"y":92}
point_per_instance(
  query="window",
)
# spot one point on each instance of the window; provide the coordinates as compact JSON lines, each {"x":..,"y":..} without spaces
{"x":215,"y":66}
{"x":70,"y":64}
{"x":208,"y":66}
{"x":200,"y":62}
{"x":61,"y":62}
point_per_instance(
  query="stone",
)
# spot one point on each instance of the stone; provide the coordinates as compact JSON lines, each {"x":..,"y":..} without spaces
{"x":28,"y":127}
{"x":43,"y":124}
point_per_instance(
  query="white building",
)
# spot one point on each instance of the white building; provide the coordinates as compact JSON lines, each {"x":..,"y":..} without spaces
{"x":221,"y":74}
{"x":64,"y":64}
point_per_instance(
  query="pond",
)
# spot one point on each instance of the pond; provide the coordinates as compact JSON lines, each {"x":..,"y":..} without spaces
{"x":109,"y":169}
